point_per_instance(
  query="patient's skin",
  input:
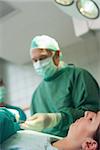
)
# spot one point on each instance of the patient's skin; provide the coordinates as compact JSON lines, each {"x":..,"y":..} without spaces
{"x":80,"y":132}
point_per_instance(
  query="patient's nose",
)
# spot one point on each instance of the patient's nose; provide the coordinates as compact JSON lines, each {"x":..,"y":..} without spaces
{"x":86,"y":114}
{"x":89,"y":115}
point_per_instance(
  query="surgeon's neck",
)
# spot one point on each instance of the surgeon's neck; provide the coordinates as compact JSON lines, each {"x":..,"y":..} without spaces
{"x":66,"y":144}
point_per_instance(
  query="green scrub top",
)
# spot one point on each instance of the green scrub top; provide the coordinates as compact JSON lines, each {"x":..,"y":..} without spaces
{"x":21,"y":112}
{"x":8,"y":124}
{"x":71,"y":91}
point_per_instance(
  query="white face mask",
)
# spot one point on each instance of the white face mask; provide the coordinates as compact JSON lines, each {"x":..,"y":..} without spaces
{"x":2,"y":94}
{"x":45,"y":67}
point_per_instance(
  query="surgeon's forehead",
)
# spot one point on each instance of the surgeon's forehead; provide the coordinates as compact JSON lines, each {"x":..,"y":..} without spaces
{"x":40,"y":52}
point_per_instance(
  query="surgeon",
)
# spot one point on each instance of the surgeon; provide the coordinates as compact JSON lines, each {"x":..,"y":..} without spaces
{"x":65,"y":92}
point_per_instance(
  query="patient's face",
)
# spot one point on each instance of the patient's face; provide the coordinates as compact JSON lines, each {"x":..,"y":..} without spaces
{"x":85,"y":126}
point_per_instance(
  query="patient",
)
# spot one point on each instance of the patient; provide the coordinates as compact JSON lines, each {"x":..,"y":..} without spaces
{"x":82,"y":134}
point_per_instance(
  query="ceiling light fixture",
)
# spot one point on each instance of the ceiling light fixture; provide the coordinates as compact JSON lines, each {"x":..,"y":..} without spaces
{"x":87,"y":8}
{"x":65,"y":2}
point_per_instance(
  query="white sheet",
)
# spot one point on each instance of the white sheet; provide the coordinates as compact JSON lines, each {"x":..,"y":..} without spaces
{"x":29,"y":140}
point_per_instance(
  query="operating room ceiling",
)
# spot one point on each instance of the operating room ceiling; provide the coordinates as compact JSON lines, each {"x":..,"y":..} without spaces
{"x":28,"y":18}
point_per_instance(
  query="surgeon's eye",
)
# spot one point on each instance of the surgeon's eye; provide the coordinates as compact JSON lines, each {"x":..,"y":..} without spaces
{"x":35,"y":60}
{"x":41,"y":58}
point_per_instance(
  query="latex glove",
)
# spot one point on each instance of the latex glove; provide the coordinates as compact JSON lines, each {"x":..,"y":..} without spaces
{"x":40,"y":121}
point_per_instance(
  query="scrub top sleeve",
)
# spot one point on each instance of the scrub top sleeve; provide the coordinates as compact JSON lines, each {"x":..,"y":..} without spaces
{"x":87,"y":93}
{"x":85,"y":96}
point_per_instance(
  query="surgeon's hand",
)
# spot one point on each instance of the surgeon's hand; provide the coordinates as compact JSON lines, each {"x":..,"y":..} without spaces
{"x":40,"y":121}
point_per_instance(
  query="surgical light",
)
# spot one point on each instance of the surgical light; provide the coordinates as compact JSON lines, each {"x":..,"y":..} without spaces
{"x":64,"y":2}
{"x":87,"y":8}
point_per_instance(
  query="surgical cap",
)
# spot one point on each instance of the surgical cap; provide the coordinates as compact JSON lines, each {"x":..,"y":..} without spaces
{"x":44,"y":41}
